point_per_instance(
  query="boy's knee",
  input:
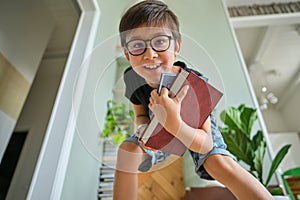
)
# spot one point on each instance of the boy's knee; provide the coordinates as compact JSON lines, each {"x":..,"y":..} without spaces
{"x":220,"y":163}
{"x":130,"y":155}
{"x":130,"y":147}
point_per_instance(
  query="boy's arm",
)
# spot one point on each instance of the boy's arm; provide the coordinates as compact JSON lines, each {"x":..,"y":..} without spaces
{"x":141,"y":118}
{"x":141,"y":115}
{"x":197,"y":140}
{"x":167,"y":111}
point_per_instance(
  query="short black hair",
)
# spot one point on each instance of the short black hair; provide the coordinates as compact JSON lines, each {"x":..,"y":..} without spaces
{"x":151,"y":13}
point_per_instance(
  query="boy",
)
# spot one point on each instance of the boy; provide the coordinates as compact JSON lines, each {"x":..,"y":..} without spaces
{"x":151,"y":40}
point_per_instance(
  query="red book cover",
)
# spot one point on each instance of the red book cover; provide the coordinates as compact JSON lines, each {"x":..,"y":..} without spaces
{"x":197,"y":105}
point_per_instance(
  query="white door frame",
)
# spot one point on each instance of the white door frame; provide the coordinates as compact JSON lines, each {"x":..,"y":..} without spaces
{"x":49,"y":175}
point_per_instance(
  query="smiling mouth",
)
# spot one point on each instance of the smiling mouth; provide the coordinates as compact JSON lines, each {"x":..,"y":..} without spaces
{"x":153,"y":66}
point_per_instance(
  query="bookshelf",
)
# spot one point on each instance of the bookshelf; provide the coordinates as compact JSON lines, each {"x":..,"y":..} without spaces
{"x":265,"y":20}
{"x":264,"y":8}
{"x":107,"y":170}
{"x":263,"y":13}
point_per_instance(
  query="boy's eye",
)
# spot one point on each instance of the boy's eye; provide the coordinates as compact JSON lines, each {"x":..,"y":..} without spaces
{"x":139,"y":45}
{"x":136,"y":45}
{"x":160,"y":42}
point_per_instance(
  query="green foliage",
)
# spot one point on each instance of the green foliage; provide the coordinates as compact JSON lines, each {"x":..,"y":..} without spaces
{"x":119,"y":121}
{"x":277,"y":160}
{"x":237,"y":134}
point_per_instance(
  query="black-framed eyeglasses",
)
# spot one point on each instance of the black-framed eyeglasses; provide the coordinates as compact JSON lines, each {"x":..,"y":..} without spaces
{"x":158,"y":43}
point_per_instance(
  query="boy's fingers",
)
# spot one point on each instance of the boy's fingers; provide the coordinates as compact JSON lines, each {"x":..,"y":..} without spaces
{"x":181,"y":94}
{"x":164,"y":92}
{"x":154,"y":92}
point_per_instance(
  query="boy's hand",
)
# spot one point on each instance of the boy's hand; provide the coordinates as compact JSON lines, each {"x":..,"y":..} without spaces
{"x":146,"y":147}
{"x":167,"y":109}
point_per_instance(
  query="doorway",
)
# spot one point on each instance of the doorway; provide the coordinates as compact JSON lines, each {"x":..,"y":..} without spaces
{"x":39,"y":103}
{"x":10,"y":160}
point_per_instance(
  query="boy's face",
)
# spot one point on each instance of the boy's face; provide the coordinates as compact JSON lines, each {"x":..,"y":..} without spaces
{"x":154,"y":50}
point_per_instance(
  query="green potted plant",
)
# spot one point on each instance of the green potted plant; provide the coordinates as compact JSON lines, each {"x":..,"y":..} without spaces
{"x":248,"y":147}
{"x":118,"y":122}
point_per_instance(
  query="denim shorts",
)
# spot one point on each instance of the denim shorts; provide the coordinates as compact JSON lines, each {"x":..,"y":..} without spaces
{"x":219,"y":147}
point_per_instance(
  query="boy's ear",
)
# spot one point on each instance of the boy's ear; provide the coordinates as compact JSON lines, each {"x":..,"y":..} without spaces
{"x":177,"y":47}
{"x":126,"y":54}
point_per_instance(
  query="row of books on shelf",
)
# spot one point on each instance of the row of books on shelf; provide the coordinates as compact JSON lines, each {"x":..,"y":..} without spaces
{"x":266,"y":9}
{"x":107,"y":171}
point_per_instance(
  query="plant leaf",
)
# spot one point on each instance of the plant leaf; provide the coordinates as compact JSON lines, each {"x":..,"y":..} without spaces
{"x":241,"y":107}
{"x":238,"y":144}
{"x":259,"y":154}
{"x":231,"y":117}
{"x":276,"y":162}
{"x":276,"y":191}
{"x":248,"y":117}
{"x":257,"y":138}
{"x":118,"y":121}
{"x":118,"y":139}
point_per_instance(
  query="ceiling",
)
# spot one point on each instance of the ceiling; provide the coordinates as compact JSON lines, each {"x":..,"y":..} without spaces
{"x":271,"y":53}
{"x":272,"y":56}
{"x":66,"y":13}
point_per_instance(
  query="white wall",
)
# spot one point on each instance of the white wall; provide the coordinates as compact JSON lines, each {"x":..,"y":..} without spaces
{"x":207,"y":24}
{"x":286,"y":118}
{"x":26,"y":27}
{"x":81,"y":181}
{"x":291,"y":111}
{"x":24,"y":35}
{"x":275,"y":121}
{"x":82,"y":174}
{"x":292,"y":158}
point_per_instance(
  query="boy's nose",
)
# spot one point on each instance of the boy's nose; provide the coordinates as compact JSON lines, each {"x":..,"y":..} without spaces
{"x":150,"y":53}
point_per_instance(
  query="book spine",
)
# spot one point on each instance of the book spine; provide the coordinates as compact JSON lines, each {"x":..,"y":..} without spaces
{"x":150,"y":128}
{"x":176,"y":86}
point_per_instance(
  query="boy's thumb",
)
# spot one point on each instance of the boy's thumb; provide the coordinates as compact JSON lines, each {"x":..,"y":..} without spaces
{"x":182,"y":93}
